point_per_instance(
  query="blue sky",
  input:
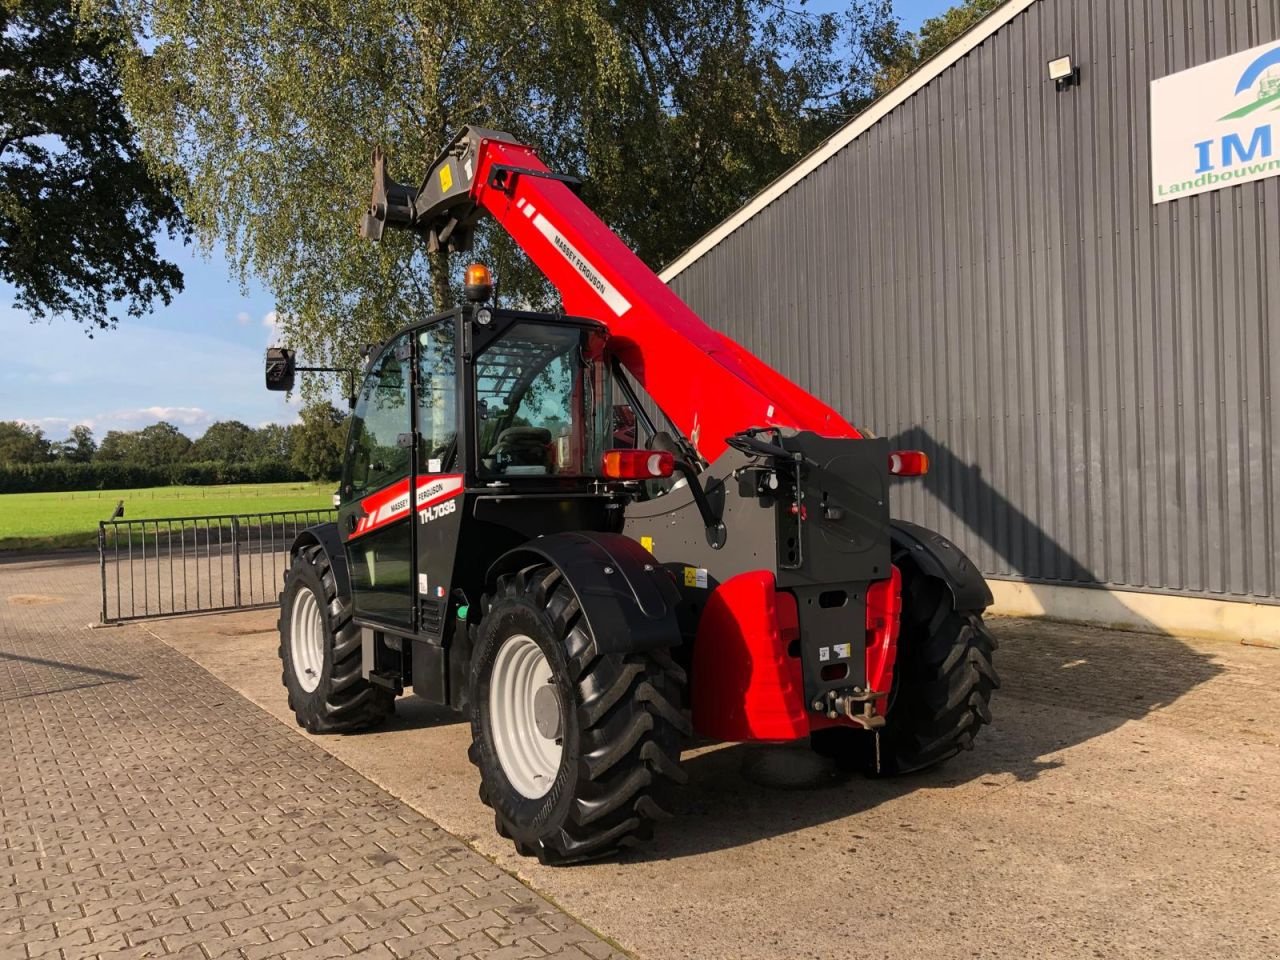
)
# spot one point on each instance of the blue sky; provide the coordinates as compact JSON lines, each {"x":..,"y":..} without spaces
{"x":194,"y":362}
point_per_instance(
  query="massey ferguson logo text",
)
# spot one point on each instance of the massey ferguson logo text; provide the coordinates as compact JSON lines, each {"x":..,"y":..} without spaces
{"x":579,"y":264}
{"x":612,"y":297}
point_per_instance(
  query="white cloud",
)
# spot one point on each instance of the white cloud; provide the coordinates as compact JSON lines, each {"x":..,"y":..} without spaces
{"x":187,"y":416}
{"x":272,"y":322}
{"x":243,"y":319}
{"x":128,"y":419}
{"x":56,"y":425}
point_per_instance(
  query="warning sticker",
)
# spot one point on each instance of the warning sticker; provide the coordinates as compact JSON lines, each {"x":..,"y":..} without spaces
{"x":695,"y":577}
{"x":824,"y":654}
{"x":446,"y":179}
{"x":647,"y":543}
{"x":423,"y":586}
{"x":843,"y":651}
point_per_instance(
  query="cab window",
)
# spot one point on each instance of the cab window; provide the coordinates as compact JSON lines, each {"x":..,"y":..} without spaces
{"x":377,"y":451}
{"x":437,"y":398}
{"x":542,"y":402}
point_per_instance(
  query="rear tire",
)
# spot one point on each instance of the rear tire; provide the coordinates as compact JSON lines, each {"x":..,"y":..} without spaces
{"x":942,"y":686}
{"x":584,"y":782}
{"x":320,"y":652}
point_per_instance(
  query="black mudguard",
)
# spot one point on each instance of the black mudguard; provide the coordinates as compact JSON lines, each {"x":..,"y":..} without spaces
{"x":629,"y":600}
{"x":326,"y":535}
{"x":936,"y":556}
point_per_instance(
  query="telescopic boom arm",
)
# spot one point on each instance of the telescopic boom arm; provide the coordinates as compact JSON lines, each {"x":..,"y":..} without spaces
{"x":708,"y":385}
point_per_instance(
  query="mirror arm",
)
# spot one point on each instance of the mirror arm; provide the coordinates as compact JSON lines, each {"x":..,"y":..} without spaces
{"x":351,"y":379}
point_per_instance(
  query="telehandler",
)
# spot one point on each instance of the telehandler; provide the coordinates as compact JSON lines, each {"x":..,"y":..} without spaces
{"x":601,"y":532}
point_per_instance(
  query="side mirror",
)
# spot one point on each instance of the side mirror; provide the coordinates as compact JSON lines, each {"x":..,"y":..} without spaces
{"x":281,"y":369}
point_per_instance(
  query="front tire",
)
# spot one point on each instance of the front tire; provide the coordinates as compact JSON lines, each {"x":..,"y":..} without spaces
{"x":320,"y":652}
{"x":572,"y":745}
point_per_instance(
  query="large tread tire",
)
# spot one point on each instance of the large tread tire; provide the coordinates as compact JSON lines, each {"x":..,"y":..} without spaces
{"x":344,"y":701}
{"x":942,"y":687}
{"x":623,"y":725}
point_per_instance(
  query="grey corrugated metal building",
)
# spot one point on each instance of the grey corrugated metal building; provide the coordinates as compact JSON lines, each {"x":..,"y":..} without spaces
{"x":977,"y":267}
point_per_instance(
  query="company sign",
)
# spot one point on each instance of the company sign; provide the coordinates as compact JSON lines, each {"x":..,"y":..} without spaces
{"x":1216,"y":125}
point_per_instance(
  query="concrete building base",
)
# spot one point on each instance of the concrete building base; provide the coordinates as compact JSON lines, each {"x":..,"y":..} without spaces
{"x":1252,"y":623}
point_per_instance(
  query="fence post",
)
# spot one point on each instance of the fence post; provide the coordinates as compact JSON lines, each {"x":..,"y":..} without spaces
{"x":235,"y":558}
{"x":102,"y":565}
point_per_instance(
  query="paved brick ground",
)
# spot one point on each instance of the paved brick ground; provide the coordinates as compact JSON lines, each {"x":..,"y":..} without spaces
{"x":148,"y":810}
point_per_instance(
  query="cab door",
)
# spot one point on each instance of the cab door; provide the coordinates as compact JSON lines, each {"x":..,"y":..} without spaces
{"x":375,"y":510}
{"x":440,"y":488}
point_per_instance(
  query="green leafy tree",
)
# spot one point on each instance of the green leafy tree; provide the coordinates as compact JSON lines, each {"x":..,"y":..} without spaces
{"x":901,"y":53}
{"x":674,"y":111}
{"x":227,"y":441}
{"x":318,"y":441}
{"x":79,"y":447}
{"x":118,"y":446}
{"x":159,"y":445}
{"x":22,"y":443}
{"x":274,"y":441}
{"x":79,"y":207}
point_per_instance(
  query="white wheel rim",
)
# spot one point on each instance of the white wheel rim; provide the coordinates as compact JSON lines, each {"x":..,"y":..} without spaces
{"x":306,"y":639}
{"x":529,"y":759}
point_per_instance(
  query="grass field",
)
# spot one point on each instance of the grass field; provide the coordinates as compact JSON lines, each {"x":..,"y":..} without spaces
{"x":41,"y":521}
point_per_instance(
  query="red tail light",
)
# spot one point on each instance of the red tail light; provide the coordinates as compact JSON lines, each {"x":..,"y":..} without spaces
{"x":908,"y":463}
{"x":638,"y":464}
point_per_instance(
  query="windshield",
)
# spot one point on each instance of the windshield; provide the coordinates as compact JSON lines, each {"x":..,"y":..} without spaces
{"x":542,"y":402}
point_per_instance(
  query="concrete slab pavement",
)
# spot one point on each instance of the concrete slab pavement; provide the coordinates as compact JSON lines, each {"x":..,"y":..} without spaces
{"x":148,"y":810}
{"x":1126,"y":803}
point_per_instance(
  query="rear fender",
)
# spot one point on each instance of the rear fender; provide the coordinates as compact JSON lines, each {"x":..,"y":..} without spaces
{"x":629,"y":600}
{"x":934,"y":555}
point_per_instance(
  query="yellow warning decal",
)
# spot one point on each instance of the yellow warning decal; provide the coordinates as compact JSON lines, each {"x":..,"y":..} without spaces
{"x":446,"y":179}
{"x":647,"y":543}
{"x":690,"y":576}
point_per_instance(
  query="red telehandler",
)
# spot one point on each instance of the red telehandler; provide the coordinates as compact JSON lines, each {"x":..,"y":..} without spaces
{"x":603,"y":531}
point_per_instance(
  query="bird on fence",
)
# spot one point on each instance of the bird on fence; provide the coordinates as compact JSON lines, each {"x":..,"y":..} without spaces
{"x":119,"y":511}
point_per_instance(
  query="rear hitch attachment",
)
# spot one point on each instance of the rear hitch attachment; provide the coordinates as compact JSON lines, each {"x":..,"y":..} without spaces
{"x":856,"y":705}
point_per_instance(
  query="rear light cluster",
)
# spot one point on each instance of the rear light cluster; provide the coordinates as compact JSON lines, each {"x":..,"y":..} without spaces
{"x":908,"y":463}
{"x":638,"y":464}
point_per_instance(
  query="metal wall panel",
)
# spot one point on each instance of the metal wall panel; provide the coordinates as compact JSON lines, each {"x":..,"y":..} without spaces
{"x":983,"y":274}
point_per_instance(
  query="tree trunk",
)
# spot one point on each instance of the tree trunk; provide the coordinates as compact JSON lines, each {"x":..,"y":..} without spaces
{"x":440,"y":289}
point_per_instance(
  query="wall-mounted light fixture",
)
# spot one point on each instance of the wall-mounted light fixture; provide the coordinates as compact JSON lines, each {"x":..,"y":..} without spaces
{"x":1064,"y":72}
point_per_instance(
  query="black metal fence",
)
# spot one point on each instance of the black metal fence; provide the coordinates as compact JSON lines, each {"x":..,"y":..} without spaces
{"x":162,"y":567}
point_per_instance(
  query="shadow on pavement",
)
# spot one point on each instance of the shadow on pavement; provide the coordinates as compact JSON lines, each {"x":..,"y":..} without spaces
{"x":1081,"y":682}
{"x":1071,"y":691}
{"x":41,"y":678}
{"x":63,"y":665}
